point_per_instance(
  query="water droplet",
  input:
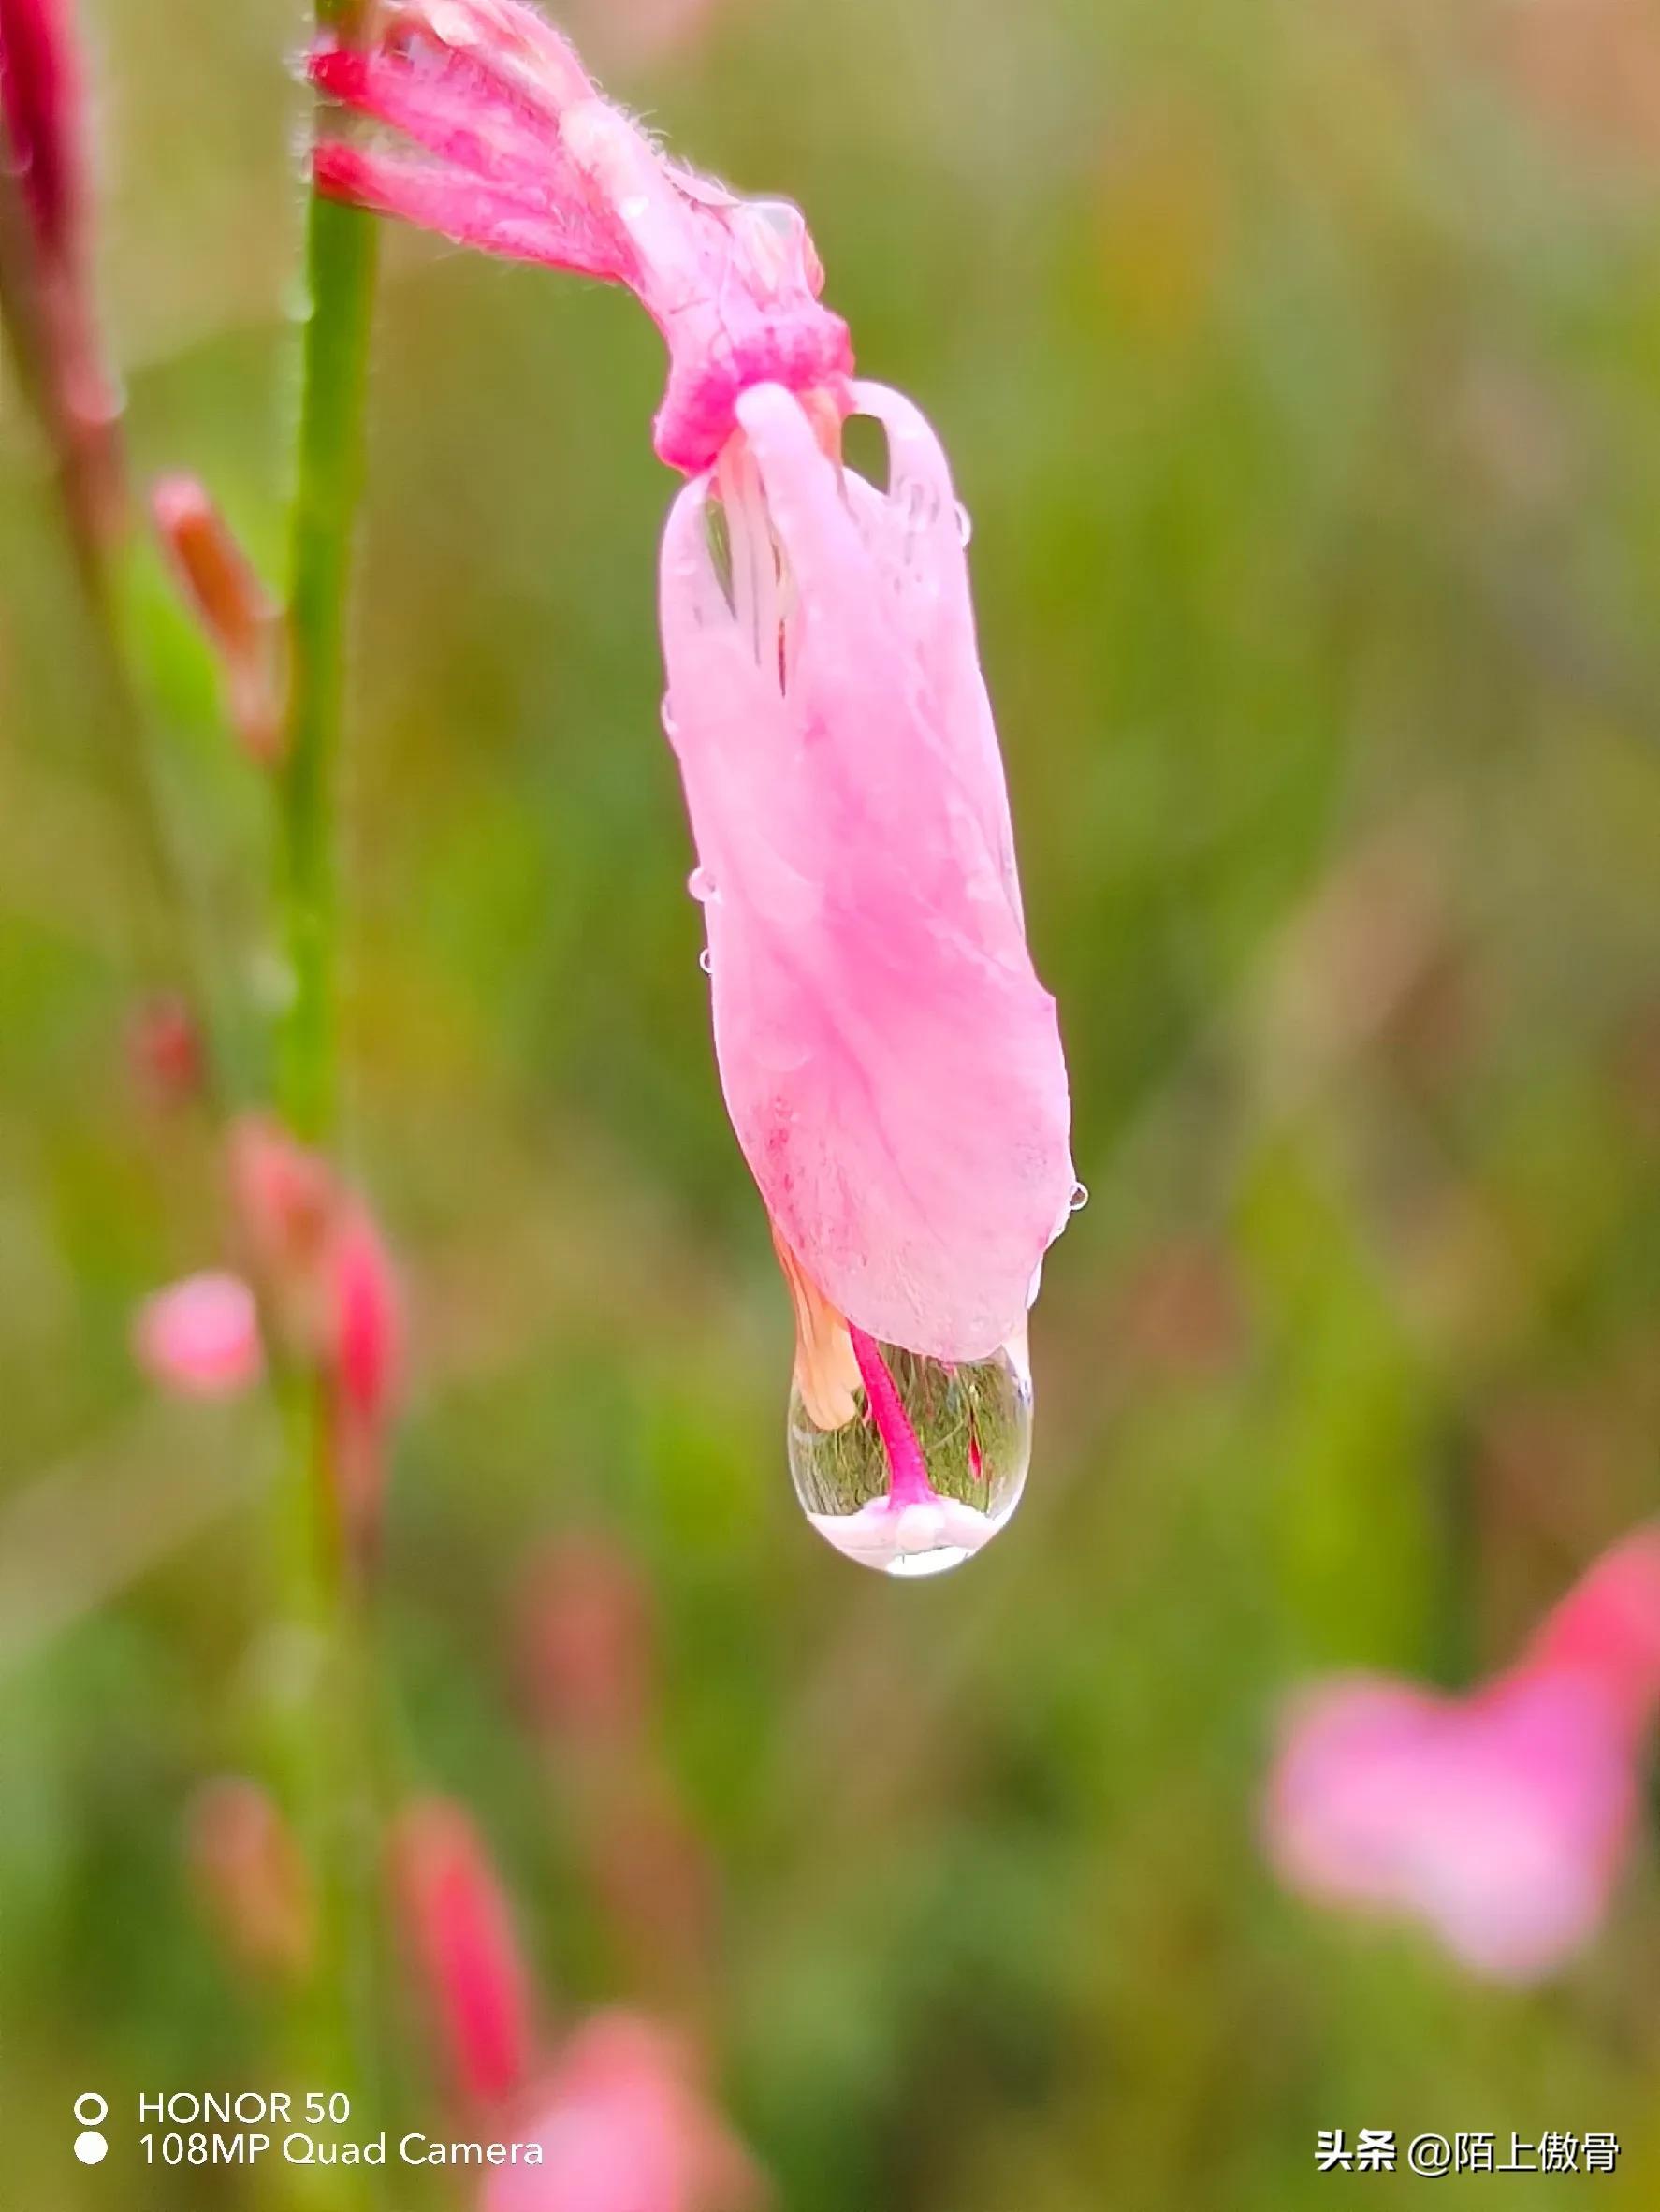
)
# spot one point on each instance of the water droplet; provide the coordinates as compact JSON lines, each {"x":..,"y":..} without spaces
{"x":971,"y":1425}
{"x":705,"y":960}
{"x":702,"y":885}
{"x":964,"y":524}
{"x":670,"y":727}
{"x":1078,"y":1199}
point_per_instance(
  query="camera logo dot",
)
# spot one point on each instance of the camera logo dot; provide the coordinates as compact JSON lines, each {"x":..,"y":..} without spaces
{"x":90,"y":2108}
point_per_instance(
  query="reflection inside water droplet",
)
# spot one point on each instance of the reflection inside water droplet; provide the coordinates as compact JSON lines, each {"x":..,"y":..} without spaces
{"x":940,"y":1482}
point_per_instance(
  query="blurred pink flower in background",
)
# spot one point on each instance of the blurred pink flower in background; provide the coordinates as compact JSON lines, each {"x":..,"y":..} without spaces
{"x":46,"y":258}
{"x":1500,"y":1820}
{"x":201,"y":1337}
{"x":252,"y":1877}
{"x":464,"y":1953}
{"x":624,"y":2126}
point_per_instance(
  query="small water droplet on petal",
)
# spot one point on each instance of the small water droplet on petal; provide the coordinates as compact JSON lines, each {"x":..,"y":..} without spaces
{"x":1078,"y":1199}
{"x":972,"y":1423}
{"x":705,"y":960}
{"x":702,"y":885}
{"x":964,"y":524}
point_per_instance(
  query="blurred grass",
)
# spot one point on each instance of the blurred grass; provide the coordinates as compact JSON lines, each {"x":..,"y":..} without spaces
{"x":1298,"y":371}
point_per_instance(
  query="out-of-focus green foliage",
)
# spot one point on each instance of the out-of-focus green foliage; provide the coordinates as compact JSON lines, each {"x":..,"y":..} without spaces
{"x":1301,"y":367}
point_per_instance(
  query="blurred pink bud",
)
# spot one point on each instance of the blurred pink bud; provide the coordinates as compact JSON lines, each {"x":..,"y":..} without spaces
{"x":366,"y":1356}
{"x":585,"y":1643}
{"x":459,"y":1936}
{"x":201,"y":1337}
{"x":164,"y":1050}
{"x":520,"y":156}
{"x":240,"y":620}
{"x":1501,"y":1821}
{"x":287,"y":1203}
{"x":45,"y":270}
{"x":892,"y":1064}
{"x":252,"y":1877}
{"x":624,"y":2126}
{"x":330,"y":1282}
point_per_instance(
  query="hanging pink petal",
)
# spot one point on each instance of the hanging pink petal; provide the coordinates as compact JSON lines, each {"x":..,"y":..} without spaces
{"x":892,"y":1064}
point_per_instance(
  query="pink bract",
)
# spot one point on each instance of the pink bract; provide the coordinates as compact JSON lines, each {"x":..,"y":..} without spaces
{"x":892,"y":1064}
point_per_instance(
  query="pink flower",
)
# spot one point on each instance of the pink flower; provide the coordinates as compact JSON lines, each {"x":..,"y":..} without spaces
{"x":891,"y":1064}
{"x":45,"y":275}
{"x":201,"y":1337}
{"x":1499,"y":1821}
{"x":240,"y":620}
{"x":252,"y":1877}
{"x":623,"y":2127}
{"x":523,"y":157}
{"x":459,"y":1936}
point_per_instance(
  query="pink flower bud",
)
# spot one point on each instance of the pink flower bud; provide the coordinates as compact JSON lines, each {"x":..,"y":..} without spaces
{"x":624,"y":2126}
{"x":252,"y":1878}
{"x":520,"y":154}
{"x":240,"y":620}
{"x":201,"y":1337}
{"x":1500,"y":1820}
{"x":365,"y":1353}
{"x":459,"y":1937}
{"x":327,"y":1278}
{"x":45,"y":273}
{"x":287,"y":1203}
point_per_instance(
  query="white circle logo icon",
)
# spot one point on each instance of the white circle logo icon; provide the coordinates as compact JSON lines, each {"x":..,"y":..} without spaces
{"x":90,"y":2109}
{"x":90,"y":2148}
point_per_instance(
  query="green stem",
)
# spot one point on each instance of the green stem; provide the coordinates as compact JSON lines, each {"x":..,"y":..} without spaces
{"x":329,"y":1729}
{"x":339,"y":266}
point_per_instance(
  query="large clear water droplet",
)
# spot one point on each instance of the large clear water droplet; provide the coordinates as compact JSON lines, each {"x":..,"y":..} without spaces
{"x":972,"y":1425}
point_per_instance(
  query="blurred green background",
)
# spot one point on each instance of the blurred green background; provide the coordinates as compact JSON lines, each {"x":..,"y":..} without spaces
{"x":1301,"y":367}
